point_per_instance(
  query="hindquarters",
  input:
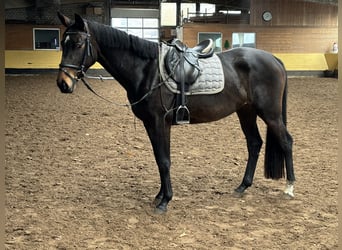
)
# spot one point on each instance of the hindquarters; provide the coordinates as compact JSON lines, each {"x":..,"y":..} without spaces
{"x":266,"y":88}
{"x":272,"y":108}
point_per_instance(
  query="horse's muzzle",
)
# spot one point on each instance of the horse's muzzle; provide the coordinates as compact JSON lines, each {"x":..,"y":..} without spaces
{"x":64,"y":87}
{"x":66,"y":81}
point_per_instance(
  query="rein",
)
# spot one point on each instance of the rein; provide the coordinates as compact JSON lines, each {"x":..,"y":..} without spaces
{"x":120,"y":104}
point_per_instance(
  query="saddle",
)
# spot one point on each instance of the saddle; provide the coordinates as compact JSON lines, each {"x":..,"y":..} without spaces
{"x":190,"y":67}
{"x":181,"y":63}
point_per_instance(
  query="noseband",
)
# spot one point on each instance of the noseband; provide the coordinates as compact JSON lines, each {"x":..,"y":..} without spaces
{"x":80,"y":73}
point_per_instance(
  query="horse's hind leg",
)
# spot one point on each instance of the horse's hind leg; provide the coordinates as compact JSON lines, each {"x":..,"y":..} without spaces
{"x":247,"y":116}
{"x":279,"y":147}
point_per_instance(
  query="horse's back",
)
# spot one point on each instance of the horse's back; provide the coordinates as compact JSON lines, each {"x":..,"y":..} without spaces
{"x":252,"y":60}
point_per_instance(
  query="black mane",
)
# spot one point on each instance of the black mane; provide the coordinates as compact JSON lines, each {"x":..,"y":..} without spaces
{"x":114,"y":38}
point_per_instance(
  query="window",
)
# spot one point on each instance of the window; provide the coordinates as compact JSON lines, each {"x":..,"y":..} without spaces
{"x":45,"y":39}
{"x":243,"y":40}
{"x":207,"y":8}
{"x":168,"y":12}
{"x":215,"y":36}
{"x":168,"y":15}
{"x":146,"y":28}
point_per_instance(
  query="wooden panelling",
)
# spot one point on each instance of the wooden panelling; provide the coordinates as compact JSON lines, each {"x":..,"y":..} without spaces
{"x":300,"y":33}
{"x":273,"y":39}
{"x":20,"y":36}
{"x":19,"y":59}
{"x":332,"y":60}
{"x":32,"y":59}
{"x":294,"y":13}
{"x":39,"y":59}
{"x":303,"y":61}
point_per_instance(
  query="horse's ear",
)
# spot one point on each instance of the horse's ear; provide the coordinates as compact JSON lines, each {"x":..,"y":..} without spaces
{"x":79,"y":22}
{"x":66,"y":21}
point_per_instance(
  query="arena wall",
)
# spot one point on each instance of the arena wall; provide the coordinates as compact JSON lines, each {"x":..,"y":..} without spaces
{"x":301,"y":34}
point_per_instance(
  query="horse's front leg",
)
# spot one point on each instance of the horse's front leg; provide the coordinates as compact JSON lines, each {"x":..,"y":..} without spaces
{"x":159,"y":134}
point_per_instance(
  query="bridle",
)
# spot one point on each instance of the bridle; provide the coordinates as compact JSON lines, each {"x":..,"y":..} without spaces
{"x":80,"y":69}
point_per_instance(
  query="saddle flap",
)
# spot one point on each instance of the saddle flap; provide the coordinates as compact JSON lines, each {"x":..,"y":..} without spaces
{"x":191,"y":67}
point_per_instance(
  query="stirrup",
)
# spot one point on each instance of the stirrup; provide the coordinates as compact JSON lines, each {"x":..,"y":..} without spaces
{"x":182,"y":115}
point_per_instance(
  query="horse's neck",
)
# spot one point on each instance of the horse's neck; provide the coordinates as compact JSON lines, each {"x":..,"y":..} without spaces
{"x":121,"y":65}
{"x":116,"y":63}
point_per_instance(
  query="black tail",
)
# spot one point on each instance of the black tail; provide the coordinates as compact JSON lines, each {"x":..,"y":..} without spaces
{"x":274,"y":155}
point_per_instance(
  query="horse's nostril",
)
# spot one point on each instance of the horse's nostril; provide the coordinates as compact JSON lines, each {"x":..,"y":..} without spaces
{"x":63,"y":86}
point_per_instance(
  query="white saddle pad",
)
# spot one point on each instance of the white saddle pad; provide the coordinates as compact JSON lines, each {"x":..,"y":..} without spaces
{"x":210,"y":81}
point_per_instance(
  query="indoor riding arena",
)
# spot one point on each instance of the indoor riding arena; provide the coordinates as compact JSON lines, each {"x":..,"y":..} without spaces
{"x":80,"y":171}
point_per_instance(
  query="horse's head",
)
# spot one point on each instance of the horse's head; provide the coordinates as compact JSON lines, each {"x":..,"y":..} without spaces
{"x":78,"y":52}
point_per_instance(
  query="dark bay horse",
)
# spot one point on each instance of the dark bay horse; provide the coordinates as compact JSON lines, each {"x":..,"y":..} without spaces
{"x":255,"y":85}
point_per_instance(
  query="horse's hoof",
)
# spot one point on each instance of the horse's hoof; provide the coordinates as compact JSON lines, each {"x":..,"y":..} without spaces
{"x":160,"y":210}
{"x":288,"y":192}
{"x":288,"y":196}
{"x":238,"y":194}
{"x":156,"y":202}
